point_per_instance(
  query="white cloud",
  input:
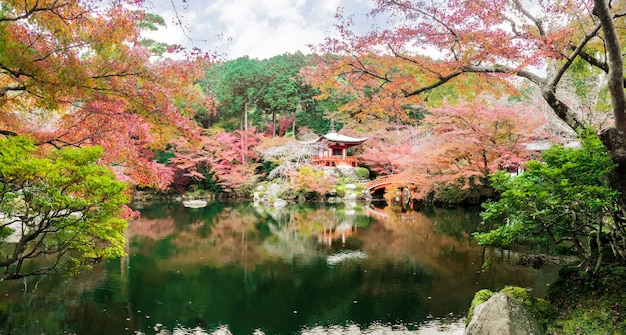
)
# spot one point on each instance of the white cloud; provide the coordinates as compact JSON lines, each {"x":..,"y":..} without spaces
{"x":259,"y":29}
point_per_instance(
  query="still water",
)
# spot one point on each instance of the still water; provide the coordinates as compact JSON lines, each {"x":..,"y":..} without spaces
{"x":232,"y":268}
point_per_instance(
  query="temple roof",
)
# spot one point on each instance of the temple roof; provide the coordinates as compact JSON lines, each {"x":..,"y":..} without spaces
{"x":335,"y":137}
{"x":339,"y":138}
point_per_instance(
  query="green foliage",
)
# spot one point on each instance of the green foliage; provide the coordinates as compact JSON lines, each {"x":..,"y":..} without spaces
{"x":363,"y":173}
{"x":341,"y":190}
{"x":163,"y":156}
{"x":67,"y":205}
{"x":564,"y":199}
{"x":210,"y":182}
{"x":270,"y":88}
{"x":589,"y":304}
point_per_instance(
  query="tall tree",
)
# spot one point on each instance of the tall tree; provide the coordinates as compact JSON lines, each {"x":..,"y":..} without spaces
{"x":271,"y":87}
{"x":434,"y":44}
{"x":73,"y":73}
{"x":235,"y":85}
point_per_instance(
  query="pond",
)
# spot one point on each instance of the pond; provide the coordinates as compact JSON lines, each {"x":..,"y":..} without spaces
{"x":233,"y":268}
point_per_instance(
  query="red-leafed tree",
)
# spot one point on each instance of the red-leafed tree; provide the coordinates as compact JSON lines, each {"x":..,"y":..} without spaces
{"x":228,"y":158}
{"x":456,"y":146}
{"x":73,"y":73}
{"x":482,"y":139}
{"x":393,"y":151}
{"x":429,"y":46}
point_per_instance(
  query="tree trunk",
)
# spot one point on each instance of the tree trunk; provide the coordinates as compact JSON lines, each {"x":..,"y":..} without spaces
{"x":273,"y":123}
{"x":614,"y":139}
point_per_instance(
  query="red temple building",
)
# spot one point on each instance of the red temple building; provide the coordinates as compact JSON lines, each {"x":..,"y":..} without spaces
{"x":333,"y":152}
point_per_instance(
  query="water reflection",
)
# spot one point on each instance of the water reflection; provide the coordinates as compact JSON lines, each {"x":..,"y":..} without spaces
{"x":235,"y":268}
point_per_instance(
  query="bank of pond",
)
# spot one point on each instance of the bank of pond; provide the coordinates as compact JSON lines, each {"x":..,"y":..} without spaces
{"x":314,"y":268}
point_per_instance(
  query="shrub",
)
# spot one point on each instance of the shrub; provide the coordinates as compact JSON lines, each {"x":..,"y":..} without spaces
{"x":363,"y":173}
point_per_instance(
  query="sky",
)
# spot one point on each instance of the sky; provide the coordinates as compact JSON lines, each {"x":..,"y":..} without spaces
{"x":259,"y":29}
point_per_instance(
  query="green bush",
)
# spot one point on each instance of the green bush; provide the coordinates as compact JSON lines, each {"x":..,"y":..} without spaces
{"x":363,"y":173}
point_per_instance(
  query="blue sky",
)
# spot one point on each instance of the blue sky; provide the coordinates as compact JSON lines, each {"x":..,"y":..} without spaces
{"x":255,"y":28}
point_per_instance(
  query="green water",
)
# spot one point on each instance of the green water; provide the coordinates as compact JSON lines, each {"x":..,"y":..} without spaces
{"x":235,"y":268}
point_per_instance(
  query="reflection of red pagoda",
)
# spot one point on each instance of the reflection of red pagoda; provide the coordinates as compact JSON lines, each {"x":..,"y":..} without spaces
{"x":343,"y":230}
{"x":334,"y":152}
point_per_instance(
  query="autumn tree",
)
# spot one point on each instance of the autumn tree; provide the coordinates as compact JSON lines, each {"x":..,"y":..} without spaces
{"x":74,"y":73}
{"x":476,"y":46}
{"x":219,"y":161}
{"x":78,"y":92}
{"x":456,"y":146}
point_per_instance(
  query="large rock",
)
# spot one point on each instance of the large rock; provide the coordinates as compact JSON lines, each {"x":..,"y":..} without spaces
{"x":502,"y":315}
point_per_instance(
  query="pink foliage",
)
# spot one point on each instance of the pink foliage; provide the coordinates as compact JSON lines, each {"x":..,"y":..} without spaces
{"x":229,"y":155}
{"x":456,"y":143}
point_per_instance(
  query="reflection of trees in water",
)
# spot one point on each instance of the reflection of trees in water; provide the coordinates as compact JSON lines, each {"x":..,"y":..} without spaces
{"x":439,"y":242}
{"x":252,"y":267}
{"x":155,"y":229}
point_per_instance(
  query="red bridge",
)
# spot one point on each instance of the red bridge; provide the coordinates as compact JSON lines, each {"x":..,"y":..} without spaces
{"x":406,"y":189}
{"x":394,"y":179}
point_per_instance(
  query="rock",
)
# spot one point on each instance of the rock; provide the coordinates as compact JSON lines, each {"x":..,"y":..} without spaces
{"x":279,"y":203}
{"x":350,"y":197}
{"x":502,"y":315}
{"x":351,"y":186}
{"x":273,"y":191}
{"x":195,"y":203}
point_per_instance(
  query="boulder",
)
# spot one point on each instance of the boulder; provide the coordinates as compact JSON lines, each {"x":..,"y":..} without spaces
{"x":502,"y":315}
{"x":279,"y":203}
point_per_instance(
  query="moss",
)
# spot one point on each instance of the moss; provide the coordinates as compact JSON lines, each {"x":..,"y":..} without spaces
{"x":480,"y":297}
{"x":590,"y":304}
{"x":540,"y":309}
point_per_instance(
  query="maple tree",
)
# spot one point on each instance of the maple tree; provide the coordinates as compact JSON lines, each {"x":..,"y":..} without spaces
{"x":79,"y":91}
{"x":456,"y":145}
{"x":74,"y":73}
{"x":227,"y":158}
{"x":476,"y":47}
{"x":60,"y":208}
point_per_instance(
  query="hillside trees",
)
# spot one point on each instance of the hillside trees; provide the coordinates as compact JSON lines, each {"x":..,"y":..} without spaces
{"x":433,"y":45}
{"x":271,"y":87}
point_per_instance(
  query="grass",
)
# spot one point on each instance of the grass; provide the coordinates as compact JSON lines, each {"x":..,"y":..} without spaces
{"x":589,"y":304}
